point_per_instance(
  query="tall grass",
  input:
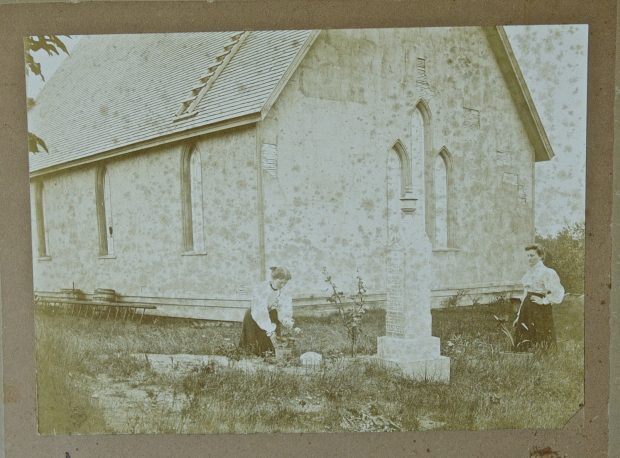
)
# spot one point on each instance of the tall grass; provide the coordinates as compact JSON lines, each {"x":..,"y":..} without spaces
{"x":63,"y":403}
{"x":488,"y":389}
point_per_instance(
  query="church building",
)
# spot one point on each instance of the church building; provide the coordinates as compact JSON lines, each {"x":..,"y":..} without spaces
{"x":182,"y":166}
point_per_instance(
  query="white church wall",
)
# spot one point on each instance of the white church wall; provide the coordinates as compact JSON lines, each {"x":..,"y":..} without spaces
{"x":333,"y":126}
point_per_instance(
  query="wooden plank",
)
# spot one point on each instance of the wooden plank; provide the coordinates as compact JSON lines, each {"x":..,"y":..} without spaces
{"x":97,"y":303}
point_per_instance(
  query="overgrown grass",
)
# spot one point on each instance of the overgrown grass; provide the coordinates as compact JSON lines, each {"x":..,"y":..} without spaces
{"x":63,"y":402}
{"x":327,"y":335}
{"x":488,"y":390}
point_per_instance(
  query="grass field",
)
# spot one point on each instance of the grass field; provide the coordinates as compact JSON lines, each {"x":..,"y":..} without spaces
{"x":91,"y":378}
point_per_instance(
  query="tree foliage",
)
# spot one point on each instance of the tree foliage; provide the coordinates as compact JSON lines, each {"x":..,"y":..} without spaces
{"x":565,"y":253}
{"x":52,"y":45}
{"x":34,"y":142}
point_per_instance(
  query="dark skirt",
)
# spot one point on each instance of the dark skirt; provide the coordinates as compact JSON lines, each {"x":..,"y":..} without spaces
{"x":253,"y":339}
{"x":539,"y":328}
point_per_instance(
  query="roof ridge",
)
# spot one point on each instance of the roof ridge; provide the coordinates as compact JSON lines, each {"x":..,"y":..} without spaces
{"x":198,"y":91}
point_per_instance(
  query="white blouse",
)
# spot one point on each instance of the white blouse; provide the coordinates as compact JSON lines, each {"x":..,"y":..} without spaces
{"x":265,"y":298}
{"x":542,"y":279}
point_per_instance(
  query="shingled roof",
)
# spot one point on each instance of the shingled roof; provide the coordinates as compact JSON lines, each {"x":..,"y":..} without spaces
{"x":135,"y":85}
{"x":142,"y":90}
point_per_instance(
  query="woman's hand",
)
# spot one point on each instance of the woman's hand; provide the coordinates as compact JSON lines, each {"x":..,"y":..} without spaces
{"x":272,"y":336}
{"x":537,"y":300}
{"x":287,"y":323}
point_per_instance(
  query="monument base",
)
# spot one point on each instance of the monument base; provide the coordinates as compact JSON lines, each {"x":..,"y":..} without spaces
{"x":417,"y":358}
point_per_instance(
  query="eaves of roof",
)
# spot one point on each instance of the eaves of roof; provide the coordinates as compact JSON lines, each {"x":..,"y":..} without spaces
{"x":519,"y":91}
{"x":242,"y":120}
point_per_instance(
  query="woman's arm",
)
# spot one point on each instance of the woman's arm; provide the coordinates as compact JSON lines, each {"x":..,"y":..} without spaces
{"x":260,"y":311}
{"x":524,"y":283}
{"x":555,"y":290}
{"x":514,"y":323}
{"x":285,"y":313}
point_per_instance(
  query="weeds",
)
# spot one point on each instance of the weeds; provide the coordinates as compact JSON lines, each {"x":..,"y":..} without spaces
{"x":193,"y":385}
{"x":352,"y":314}
{"x":454,"y":301}
{"x":77,"y":357}
{"x":64,"y":405}
{"x":121,"y":365}
{"x":501,"y":324}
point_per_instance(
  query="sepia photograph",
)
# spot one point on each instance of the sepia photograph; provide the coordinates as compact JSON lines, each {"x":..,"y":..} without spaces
{"x":338,"y":230}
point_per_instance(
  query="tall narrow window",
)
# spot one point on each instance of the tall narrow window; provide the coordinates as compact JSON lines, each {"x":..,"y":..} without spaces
{"x":441,"y":202}
{"x":421,"y":152}
{"x":398,"y":183}
{"x":418,"y":149}
{"x":42,"y":239}
{"x":393,"y":193}
{"x":104,"y":212}
{"x":196,"y":191}
{"x":192,"y":199}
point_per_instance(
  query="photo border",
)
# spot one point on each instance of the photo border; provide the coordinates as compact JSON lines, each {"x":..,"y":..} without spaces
{"x":585,"y":435}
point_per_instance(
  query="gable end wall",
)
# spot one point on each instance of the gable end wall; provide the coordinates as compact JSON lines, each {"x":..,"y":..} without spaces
{"x":333,"y":125}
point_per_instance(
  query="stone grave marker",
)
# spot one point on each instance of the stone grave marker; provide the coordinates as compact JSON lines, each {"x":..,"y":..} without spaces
{"x":408,"y":343}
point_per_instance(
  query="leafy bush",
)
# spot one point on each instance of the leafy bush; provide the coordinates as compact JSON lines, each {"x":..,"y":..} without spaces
{"x":565,"y":252}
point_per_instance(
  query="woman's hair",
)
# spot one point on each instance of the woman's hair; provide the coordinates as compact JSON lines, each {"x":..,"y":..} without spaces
{"x":280,"y":273}
{"x":540,"y":251}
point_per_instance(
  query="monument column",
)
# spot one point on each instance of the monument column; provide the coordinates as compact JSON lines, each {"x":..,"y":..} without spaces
{"x":408,"y":343}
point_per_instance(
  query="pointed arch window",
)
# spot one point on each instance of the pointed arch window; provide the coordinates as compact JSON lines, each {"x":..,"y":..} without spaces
{"x":42,"y":235}
{"x":421,"y":149}
{"x":104,"y":212}
{"x":393,"y":192}
{"x":193,"y":202}
{"x":442,"y":201}
{"x":398,"y":183}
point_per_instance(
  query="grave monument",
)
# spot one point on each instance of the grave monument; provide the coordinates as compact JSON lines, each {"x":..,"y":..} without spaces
{"x":408,"y":343}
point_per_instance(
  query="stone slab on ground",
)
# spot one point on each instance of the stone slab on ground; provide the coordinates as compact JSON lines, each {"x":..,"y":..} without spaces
{"x":435,"y":369}
{"x":311,"y":359}
{"x":184,"y":363}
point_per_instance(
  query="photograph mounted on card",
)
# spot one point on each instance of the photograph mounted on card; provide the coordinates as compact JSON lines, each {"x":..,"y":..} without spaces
{"x":342,"y":230}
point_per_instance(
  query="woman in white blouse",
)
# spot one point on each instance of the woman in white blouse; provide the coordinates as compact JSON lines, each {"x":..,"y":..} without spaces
{"x":541,"y":288}
{"x":271,"y":309}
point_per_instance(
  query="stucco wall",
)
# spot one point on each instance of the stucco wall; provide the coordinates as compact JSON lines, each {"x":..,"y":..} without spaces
{"x":335,"y":122}
{"x":149,"y":260}
{"x":330,"y":133}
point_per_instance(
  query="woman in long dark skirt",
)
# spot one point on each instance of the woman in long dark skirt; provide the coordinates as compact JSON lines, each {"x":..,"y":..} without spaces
{"x":534,"y":323}
{"x":270,"y":311}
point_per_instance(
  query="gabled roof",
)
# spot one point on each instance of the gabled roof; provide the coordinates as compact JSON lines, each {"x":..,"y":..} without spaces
{"x":134,"y":85}
{"x":120,"y":93}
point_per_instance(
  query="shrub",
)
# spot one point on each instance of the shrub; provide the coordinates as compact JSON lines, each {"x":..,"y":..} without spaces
{"x":565,"y":252}
{"x":454,"y":301}
{"x":350,"y":315}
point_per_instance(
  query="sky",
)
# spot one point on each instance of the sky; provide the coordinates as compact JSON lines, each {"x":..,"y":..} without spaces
{"x":49,"y":64}
{"x":553,"y":60}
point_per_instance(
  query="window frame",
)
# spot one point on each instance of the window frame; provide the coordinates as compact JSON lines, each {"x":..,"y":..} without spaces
{"x":188,"y":154}
{"x":105,"y":221}
{"x":446,"y":157}
{"x":43,"y":252}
